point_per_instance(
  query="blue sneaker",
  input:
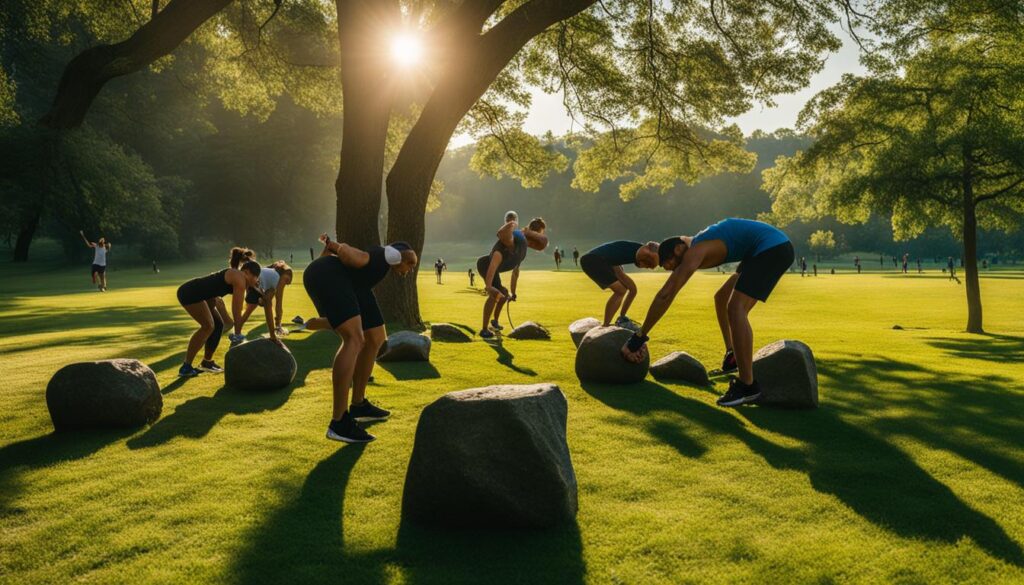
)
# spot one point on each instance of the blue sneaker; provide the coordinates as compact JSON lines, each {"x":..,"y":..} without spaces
{"x":495,"y":325}
{"x":187,"y":371}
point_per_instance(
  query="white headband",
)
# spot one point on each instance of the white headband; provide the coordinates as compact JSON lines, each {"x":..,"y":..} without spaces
{"x":392,"y":255}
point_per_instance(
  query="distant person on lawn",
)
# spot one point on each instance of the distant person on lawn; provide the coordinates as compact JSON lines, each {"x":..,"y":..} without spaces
{"x":763,"y":252}
{"x":99,"y":261}
{"x":471,"y":277}
{"x":506,"y":255}
{"x":340,"y":283}
{"x":575,"y":256}
{"x":604,"y":264}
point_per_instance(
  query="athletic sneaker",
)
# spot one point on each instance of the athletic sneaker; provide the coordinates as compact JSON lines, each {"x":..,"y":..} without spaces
{"x":210,"y":366}
{"x":365,"y":412}
{"x":187,"y":371}
{"x":298,"y":320}
{"x":739,"y":393}
{"x":236,"y":339}
{"x":729,"y":363}
{"x":495,"y":325}
{"x":487,"y":334}
{"x":347,"y":430}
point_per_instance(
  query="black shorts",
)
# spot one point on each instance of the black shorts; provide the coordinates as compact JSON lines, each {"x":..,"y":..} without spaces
{"x":760,"y":274}
{"x":97,"y":269}
{"x":336,"y":297}
{"x":483,"y":263}
{"x":599,"y":270}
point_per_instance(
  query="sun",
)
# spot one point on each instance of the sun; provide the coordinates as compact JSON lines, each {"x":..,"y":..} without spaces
{"x":406,"y":50}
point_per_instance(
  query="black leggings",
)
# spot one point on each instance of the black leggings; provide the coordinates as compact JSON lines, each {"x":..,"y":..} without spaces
{"x":218,"y":328}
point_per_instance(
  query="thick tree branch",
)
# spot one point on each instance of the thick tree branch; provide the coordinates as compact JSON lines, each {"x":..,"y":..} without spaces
{"x":86,"y":74}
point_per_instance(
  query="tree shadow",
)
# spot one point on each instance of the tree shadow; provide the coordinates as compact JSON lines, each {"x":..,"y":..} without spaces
{"x":303,"y":542}
{"x":506,"y":358}
{"x":986,"y":346}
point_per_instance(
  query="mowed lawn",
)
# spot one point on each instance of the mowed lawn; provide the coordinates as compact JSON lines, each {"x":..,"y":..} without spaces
{"x":911,"y":471}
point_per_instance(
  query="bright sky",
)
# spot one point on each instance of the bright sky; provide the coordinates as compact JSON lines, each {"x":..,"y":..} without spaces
{"x":547,"y":112}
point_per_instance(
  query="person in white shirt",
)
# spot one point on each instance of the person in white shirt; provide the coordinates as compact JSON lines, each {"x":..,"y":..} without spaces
{"x":269,"y":294}
{"x":99,"y":260}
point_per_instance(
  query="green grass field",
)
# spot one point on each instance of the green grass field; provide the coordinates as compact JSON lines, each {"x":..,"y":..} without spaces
{"x":911,"y":471}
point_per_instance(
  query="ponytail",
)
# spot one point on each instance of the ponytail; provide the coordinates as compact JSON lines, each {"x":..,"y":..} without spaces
{"x":240,"y":254}
{"x":282,"y":268}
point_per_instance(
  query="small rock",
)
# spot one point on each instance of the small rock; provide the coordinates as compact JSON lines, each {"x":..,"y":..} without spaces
{"x":405,"y":346}
{"x":580,"y":327}
{"x":682,"y":366}
{"x":448,"y":332}
{"x":787,"y":374}
{"x":121,"y":393}
{"x":599,"y":358}
{"x":898,"y":327}
{"x":493,"y":457}
{"x":530,"y":330}
{"x":259,"y":365}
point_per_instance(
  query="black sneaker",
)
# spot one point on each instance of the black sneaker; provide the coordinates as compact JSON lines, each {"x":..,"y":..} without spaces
{"x":365,"y":412}
{"x":298,"y":320}
{"x":729,"y":366}
{"x":210,"y":366}
{"x":486,"y":334}
{"x":739,"y":393}
{"x":347,"y":431}
{"x":495,"y":325}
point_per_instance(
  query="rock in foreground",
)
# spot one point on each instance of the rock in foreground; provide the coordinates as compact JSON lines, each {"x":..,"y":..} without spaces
{"x":405,"y":346}
{"x":259,"y":365}
{"x":530,"y":330}
{"x":681,"y":366}
{"x":120,"y":393}
{"x":599,"y":358}
{"x":448,"y":332}
{"x":580,"y":327}
{"x":493,"y":457}
{"x":787,"y":374}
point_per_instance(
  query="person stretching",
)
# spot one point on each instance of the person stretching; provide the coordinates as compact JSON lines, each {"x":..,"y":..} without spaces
{"x":603,"y":265}
{"x":99,"y":260}
{"x":198,"y":297}
{"x":268,"y":293}
{"x":507,"y":254}
{"x":763,"y":252}
{"x":340,"y":284}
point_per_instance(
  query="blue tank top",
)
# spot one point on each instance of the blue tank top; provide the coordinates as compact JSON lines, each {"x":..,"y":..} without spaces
{"x":743,"y":238}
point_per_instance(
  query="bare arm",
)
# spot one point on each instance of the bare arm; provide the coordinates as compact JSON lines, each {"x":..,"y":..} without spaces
{"x":349,"y":255}
{"x":279,"y":306}
{"x":505,"y":234}
{"x":515,"y":279}
{"x":86,"y":240}
{"x":238,"y":286}
{"x":268,"y":298}
{"x":663,"y":300}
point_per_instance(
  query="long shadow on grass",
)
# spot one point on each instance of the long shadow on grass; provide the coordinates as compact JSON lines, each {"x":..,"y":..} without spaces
{"x":875,"y":479}
{"x":44,"y":451}
{"x":303,"y":542}
{"x":987,"y":346}
{"x":506,"y":358}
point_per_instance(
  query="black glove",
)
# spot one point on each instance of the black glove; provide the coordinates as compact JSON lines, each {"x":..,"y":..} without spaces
{"x":512,"y":298}
{"x":636,"y":342}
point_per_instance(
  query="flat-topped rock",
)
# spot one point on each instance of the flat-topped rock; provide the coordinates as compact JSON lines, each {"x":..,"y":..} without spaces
{"x":120,"y":393}
{"x":599,"y":358}
{"x":448,"y":332}
{"x":787,"y":374}
{"x":493,"y":457}
{"x":580,"y":327}
{"x":259,"y":365}
{"x":680,"y":366}
{"x":530,"y":330}
{"x":405,"y":346}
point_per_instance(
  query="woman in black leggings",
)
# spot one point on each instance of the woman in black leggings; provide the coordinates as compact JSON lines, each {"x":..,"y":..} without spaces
{"x":199,"y":297}
{"x":340,"y":283}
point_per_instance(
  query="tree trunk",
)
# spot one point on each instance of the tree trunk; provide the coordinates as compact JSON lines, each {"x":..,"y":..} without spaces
{"x":367,"y":109}
{"x":25,"y":234}
{"x":470,"y":72}
{"x":974,"y":323}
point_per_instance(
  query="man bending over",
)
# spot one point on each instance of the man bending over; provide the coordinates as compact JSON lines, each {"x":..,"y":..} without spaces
{"x":603,"y":265}
{"x":506,"y":255}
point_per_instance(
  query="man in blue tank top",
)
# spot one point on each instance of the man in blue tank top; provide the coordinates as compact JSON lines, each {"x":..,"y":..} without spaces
{"x":764,"y":254}
{"x":506,"y":255}
{"x":604,"y":264}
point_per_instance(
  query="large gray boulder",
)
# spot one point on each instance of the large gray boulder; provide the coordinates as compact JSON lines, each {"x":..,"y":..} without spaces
{"x":787,"y":374}
{"x":493,"y":457}
{"x":259,"y":365}
{"x":580,"y":327}
{"x":530,"y":330}
{"x":599,"y":358}
{"x":119,"y":393}
{"x":681,"y":366}
{"x":448,"y":332}
{"x":405,"y":346}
